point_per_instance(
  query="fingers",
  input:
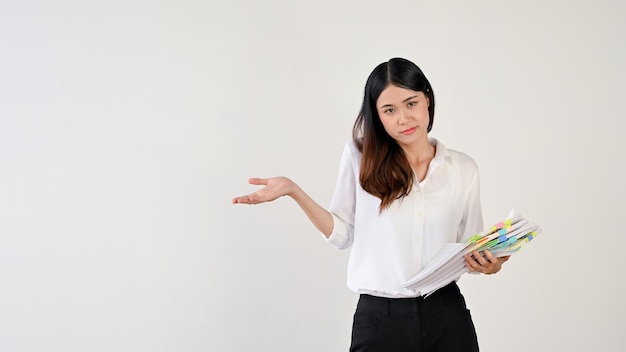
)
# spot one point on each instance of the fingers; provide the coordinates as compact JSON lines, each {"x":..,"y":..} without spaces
{"x":484,"y":262}
{"x":472,"y":264}
{"x":249,"y":199}
{"x":241,"y":200}
{"x":490,"y":257}
{"x":252,"y":198}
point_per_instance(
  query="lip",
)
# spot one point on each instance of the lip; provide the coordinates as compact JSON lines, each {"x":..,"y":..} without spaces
{"x":409,"y":130}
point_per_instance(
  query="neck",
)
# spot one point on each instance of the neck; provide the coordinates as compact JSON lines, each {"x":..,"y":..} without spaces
{"x":420,"y":153}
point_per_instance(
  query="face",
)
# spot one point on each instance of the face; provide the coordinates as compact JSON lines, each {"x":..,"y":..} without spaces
{"x":404,"y":114}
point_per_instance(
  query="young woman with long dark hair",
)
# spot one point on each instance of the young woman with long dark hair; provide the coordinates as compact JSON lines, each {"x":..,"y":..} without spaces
{"x":400,"y":196}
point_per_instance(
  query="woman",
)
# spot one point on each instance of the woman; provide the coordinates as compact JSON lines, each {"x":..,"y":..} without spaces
{"x":400,"y":196}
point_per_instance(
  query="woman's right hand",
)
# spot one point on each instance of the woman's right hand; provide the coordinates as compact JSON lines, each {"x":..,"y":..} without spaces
{"x":275,"y":187}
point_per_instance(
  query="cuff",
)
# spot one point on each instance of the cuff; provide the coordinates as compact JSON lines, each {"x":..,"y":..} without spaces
{"x":339,"y":236}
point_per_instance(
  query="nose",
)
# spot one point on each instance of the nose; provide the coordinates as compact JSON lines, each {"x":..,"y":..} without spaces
{"x":403,"y":116}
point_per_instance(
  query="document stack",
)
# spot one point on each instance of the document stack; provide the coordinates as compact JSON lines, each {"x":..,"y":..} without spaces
{"x":502,"y":239}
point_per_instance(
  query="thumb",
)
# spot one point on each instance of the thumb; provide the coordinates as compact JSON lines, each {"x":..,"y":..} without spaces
{"x":257,"y":181}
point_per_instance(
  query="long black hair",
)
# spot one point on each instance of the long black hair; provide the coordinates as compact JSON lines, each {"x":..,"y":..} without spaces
{"x":385,"y":169}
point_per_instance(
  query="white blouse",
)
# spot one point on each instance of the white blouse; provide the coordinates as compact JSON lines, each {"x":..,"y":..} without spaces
{"x":389,"y":248}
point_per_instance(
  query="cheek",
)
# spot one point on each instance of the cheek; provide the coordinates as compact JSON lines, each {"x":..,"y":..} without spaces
{"x":425,"y":114}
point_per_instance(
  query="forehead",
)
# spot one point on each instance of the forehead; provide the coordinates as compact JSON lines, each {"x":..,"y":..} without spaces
{"x":393,"y":95}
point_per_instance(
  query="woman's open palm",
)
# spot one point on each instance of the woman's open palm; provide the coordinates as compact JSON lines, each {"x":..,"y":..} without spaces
{"x":275,"y":187}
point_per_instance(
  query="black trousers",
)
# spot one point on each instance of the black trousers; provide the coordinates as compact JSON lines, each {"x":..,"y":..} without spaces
{"x":440,"y":322}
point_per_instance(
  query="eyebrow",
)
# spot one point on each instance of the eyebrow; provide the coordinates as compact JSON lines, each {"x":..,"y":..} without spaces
{"x":404,"y":101}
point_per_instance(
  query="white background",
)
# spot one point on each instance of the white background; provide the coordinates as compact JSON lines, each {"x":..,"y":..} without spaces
{"x":126,"y":127}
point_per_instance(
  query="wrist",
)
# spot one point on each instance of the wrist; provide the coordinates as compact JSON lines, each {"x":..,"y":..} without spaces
{"x":295,"y":192}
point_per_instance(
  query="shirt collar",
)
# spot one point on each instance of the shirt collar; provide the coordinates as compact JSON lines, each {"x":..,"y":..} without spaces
{"x":441,"y":152}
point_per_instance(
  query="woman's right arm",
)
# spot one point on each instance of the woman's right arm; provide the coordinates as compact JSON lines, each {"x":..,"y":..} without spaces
{"x":276,"y":187}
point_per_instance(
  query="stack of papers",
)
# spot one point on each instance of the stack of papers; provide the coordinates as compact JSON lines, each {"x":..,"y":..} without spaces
{"x":502,"y":239}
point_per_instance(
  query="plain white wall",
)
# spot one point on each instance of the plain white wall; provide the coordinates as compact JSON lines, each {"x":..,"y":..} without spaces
{"x":127,"y":126}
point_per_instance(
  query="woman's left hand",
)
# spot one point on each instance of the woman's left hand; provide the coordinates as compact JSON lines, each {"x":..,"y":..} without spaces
{"x":484,"y":262}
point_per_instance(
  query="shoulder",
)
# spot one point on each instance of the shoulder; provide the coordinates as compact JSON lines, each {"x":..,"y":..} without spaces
{"x":351,"y":156}
{"x":463,"y":160}
{"x":466,"y":161}
{"x":351,"y":150}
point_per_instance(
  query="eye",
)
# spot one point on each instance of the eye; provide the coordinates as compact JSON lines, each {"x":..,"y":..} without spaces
{"x":389,"y":111}
{"x":411,"y":104}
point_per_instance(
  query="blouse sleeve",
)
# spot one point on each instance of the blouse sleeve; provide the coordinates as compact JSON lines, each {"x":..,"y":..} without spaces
{"x":343,"y":203}
{"x":472,"y":221}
